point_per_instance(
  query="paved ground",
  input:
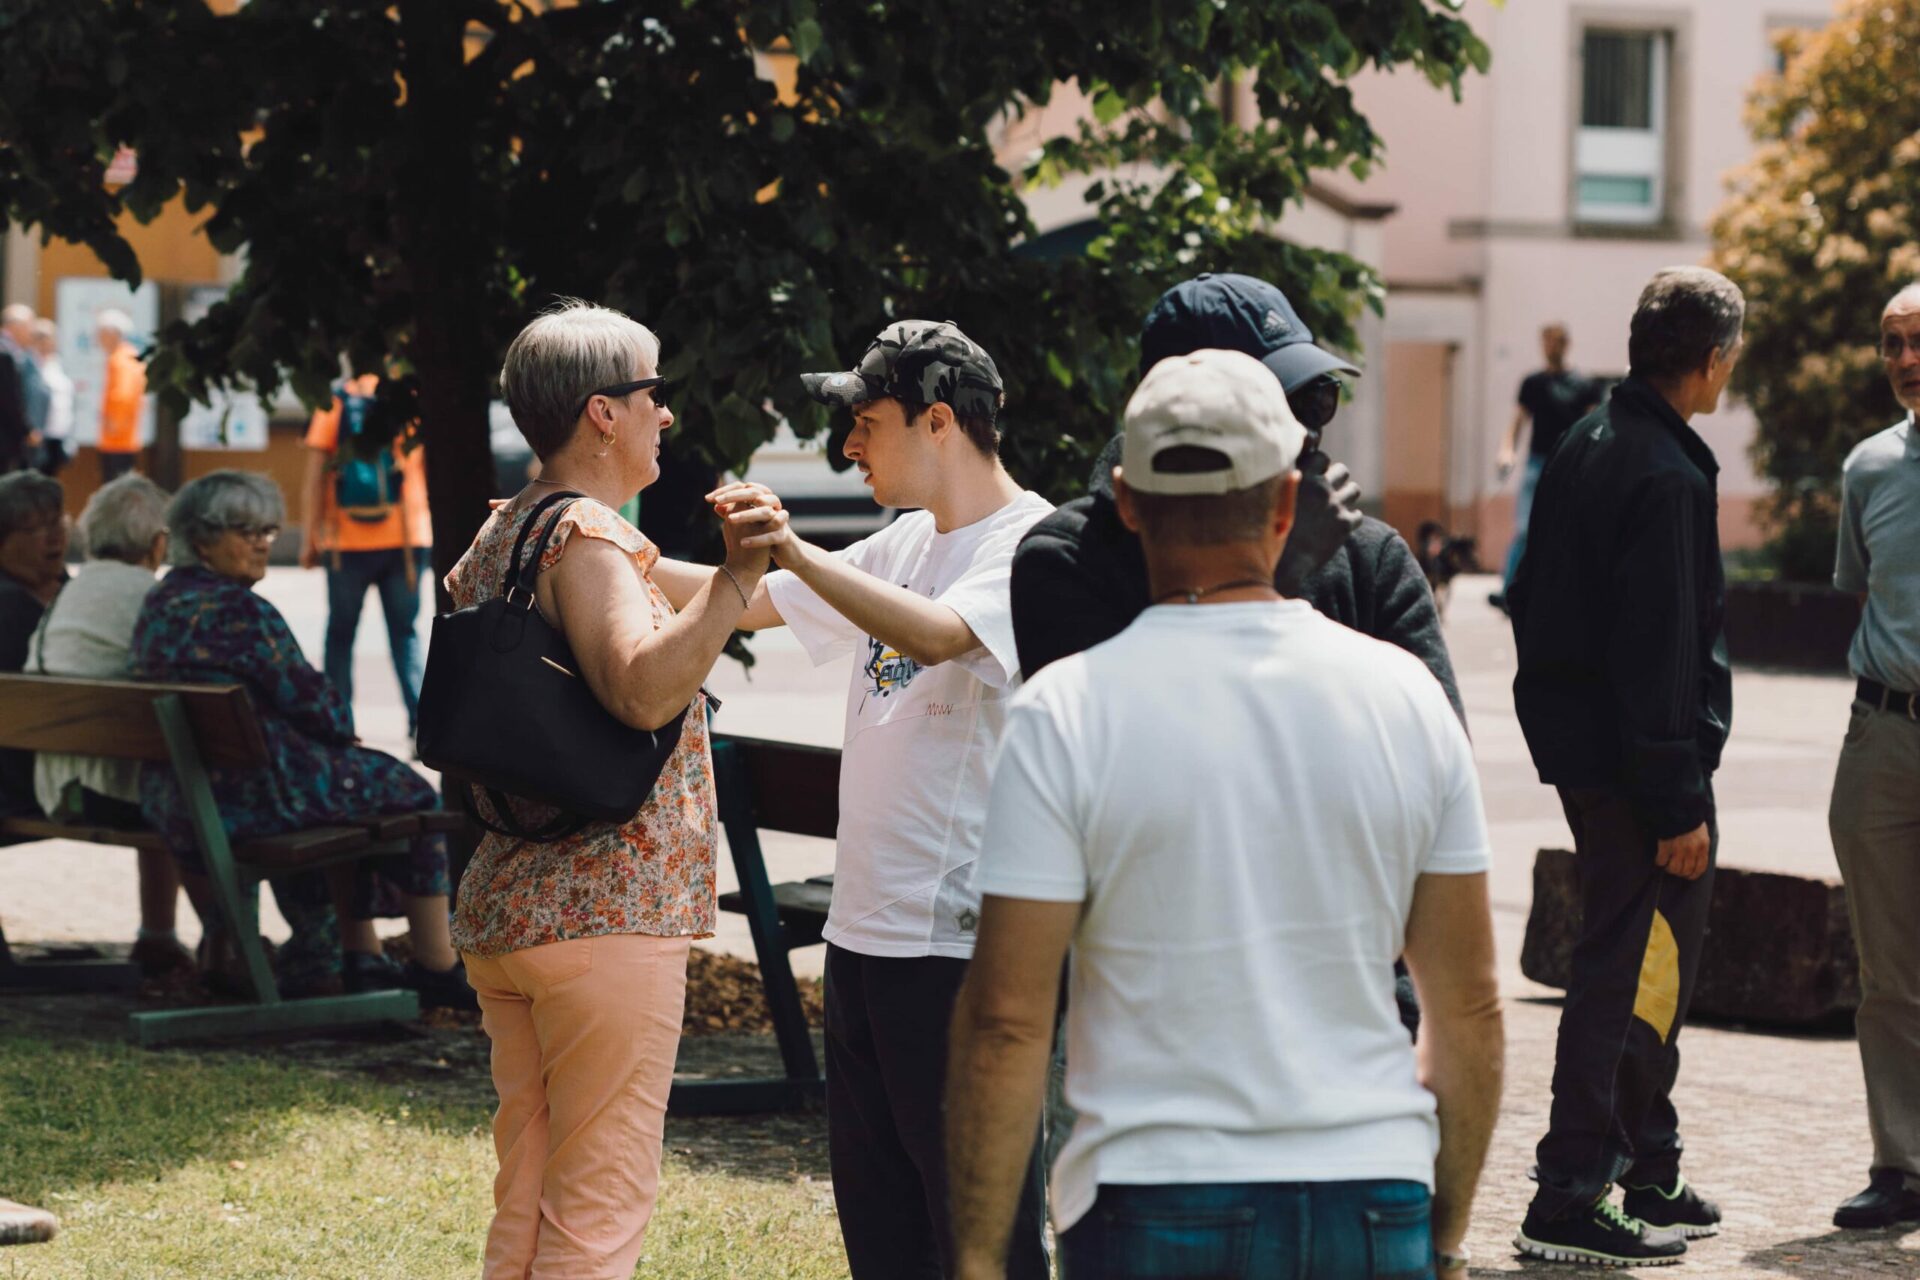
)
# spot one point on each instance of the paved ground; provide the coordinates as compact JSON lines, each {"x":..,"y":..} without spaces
{"x":1775,"y":1123}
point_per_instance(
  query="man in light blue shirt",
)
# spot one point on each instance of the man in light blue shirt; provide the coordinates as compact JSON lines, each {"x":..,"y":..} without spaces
{"x":1875,"y":814}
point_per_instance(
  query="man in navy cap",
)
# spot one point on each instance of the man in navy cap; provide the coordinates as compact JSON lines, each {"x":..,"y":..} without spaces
{"x":1079,"y":577}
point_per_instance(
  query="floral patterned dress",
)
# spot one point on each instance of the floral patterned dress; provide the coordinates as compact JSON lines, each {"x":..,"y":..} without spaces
{"x":201,"y":627}
{"x":653,"y":874}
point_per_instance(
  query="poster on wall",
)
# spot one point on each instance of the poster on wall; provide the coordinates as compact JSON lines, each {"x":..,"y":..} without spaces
{"x":231,"y":419}
{"x":78,"y":301}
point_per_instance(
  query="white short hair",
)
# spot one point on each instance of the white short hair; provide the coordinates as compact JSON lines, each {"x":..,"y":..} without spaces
{"x":569,"y":352}
{"x":122,"y":518}
{"x":115,"y":319}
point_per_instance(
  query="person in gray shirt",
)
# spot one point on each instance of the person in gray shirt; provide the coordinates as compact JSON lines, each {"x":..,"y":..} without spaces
{"x":1875,"y":814}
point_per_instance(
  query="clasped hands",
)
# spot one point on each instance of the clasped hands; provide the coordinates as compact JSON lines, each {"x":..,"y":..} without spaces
{"x":754,"y":523}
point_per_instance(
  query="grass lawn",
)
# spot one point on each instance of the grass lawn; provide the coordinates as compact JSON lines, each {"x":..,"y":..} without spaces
{"x":337,"y":1158}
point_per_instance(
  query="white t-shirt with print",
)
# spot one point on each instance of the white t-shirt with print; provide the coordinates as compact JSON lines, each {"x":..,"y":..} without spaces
{"x":1242,"y":796}
{"x":915,"y":764}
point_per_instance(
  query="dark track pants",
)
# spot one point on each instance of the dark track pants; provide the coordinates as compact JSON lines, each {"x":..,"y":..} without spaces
{"x":1641,"y":934}
{"x":887,"y":1022}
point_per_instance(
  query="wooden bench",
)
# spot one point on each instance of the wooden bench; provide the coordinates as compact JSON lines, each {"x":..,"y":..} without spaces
{"x":189,"y":728}
{"x":772,"y":786}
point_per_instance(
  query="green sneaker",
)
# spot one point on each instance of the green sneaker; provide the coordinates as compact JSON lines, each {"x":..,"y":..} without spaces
{"x":1601,"y":1235}
{"x":1682,"y":1209}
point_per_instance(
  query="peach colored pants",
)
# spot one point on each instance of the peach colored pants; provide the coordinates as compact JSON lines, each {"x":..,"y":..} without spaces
{"x":584,"y":1034}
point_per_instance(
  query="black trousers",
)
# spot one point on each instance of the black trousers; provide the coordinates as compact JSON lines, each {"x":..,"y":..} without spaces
{"x":887,"y":1022}
{"x":1634,"y":963}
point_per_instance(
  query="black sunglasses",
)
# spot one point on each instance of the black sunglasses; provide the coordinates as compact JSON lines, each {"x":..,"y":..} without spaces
{"x":1315,"y":403}
{"x":659,"y":386}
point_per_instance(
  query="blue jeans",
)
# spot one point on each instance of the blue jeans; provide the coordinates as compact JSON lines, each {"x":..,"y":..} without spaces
{"x":1378,"y":1230}
{"x":349,"y":574}
{"x":1522,"y":514}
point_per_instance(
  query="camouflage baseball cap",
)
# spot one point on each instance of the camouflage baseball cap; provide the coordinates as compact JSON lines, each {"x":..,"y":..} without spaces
{"x":923,"y":361}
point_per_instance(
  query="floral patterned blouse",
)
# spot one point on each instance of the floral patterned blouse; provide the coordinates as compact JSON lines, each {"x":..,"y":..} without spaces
{"x":650,"y":875}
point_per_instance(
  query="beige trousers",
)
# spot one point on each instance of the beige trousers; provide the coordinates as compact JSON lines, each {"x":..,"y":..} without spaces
{"x":1875,"y":821}
{"x":584,"y":1035}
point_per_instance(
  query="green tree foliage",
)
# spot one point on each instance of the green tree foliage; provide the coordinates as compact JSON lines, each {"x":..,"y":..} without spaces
{"x":1820,"y":230}
{"x":416,"y":177}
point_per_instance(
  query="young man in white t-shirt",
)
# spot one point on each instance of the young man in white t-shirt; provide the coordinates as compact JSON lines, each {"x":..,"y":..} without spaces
{"x":924,"y":608}
{"x":1237,"y":813}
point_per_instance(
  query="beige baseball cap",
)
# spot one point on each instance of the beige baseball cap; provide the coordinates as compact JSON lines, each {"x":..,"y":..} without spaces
{"x":1223,"y":401}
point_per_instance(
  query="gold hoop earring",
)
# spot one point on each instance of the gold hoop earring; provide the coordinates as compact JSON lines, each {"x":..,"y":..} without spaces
{"x":606,"y":441}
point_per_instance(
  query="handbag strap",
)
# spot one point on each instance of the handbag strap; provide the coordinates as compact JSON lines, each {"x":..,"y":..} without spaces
{"x":523,"y":576}
{"x":559,"y":827}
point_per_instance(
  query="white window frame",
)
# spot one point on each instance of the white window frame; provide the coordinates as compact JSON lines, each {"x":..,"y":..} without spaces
{"x":1634,"y":154}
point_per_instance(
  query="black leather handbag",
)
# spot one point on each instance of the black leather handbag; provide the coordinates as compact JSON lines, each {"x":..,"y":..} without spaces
{"x":504,"y":711}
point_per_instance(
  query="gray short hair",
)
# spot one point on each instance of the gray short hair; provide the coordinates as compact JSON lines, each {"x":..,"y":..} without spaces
{"x":122,"y":519}
{"x":567,"y":353}
{"x":115,"y":319}
{"x":28,"y":498}
{"x":1685,"y":315}
{"x":216,"y":502}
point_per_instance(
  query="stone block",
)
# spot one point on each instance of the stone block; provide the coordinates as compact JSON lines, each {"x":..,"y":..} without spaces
{"x":1779,"y":948}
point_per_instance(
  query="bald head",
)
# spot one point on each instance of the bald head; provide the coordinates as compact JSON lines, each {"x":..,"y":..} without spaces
{"x":1908,"y":299}
{"x":1900,"y":345}
{"x":17,"y":320}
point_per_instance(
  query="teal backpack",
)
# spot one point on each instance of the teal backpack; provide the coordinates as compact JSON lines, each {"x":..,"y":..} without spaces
{"x":366,"y":464}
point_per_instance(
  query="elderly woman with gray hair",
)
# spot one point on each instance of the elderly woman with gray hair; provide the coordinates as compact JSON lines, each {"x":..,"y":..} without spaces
{"x":205,"y":623}
{"x":86,"y":631}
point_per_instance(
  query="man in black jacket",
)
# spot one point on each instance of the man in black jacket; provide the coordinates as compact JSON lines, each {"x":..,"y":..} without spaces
{"x":1079,"y":577}
{"x":1625,"y":697}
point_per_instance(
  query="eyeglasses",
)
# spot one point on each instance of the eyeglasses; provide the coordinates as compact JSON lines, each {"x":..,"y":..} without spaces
{"x":659,"y":386}
{"x":1893,"y":346}
{"x":255,"y":532}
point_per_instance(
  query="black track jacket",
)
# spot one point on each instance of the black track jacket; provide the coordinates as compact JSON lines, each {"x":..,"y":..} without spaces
{"x":1618,"y":612}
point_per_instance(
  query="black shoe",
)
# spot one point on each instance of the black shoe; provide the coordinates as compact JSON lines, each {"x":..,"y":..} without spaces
{"x":1601,"y":1235}
{"x":1885,"y":1202}
{"x":369,"y":971}
{"x":443,"y":989}
{"x":1681,"y":1209}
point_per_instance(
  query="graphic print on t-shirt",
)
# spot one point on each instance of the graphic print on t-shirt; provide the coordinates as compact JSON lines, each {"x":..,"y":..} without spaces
{"x":888,"y":670}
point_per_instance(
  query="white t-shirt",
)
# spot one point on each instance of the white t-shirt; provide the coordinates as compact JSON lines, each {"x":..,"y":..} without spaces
{"x":1243,"y":796}
{"x":919,"y":743}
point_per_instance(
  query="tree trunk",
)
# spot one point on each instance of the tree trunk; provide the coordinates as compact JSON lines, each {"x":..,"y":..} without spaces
{"x":436,"y":233}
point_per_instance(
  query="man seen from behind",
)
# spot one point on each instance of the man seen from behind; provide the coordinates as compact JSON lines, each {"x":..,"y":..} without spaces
{"x":1236,"y":813}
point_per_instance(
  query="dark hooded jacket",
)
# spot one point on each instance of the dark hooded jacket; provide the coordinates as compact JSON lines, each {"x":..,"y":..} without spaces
{"x":1079,"y":577}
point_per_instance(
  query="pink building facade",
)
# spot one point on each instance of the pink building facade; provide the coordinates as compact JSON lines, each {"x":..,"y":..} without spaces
{"x":1592,"y":154}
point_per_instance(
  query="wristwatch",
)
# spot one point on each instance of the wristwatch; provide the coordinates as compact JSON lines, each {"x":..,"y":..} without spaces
{"x":1445,"y":1262}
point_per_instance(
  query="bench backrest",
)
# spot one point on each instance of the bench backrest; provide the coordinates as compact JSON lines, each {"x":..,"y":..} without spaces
{"x":115,"y":718}
{"x":789,"y":787}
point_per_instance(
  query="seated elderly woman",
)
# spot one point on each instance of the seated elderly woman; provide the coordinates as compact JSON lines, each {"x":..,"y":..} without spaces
{"x":204,"y":623}
{"x":33,"y":566}
{"x":85,"y":631}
